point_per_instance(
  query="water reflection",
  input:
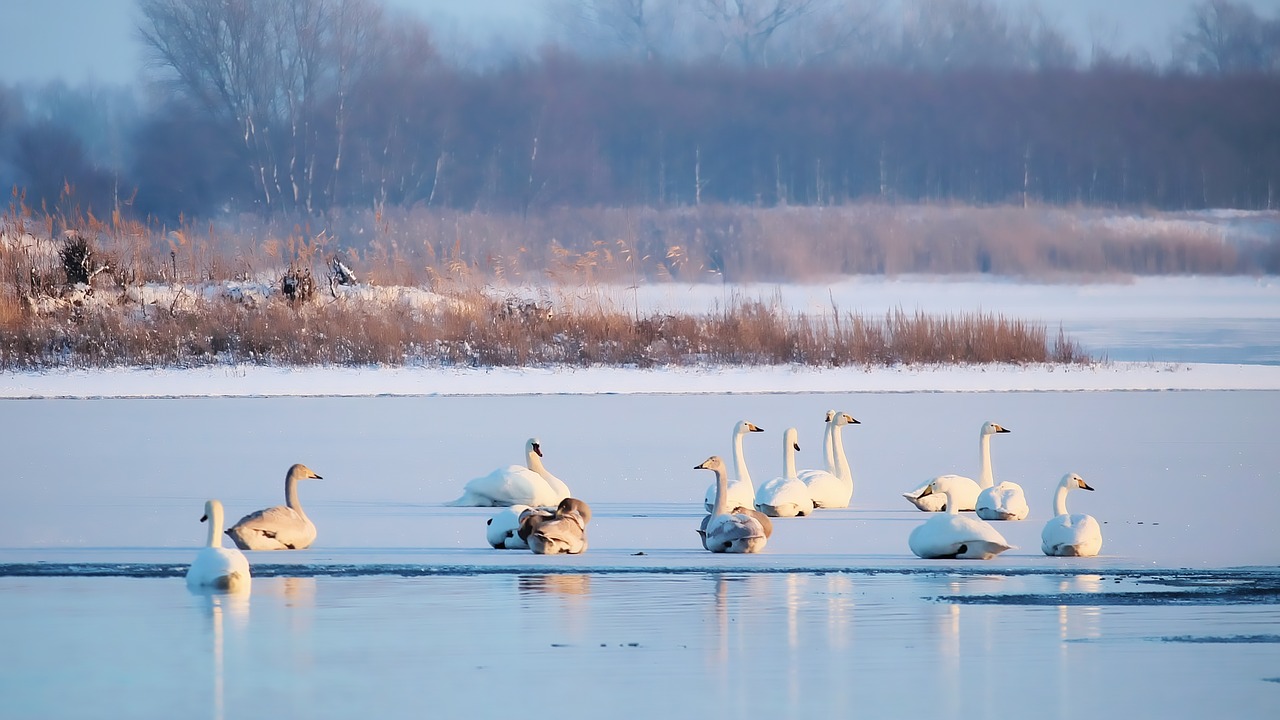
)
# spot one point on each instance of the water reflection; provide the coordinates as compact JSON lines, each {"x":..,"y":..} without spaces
{"x":219,"y":607}
{"x":555,"y":584}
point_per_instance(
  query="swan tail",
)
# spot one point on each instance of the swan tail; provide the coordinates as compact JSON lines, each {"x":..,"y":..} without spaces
{"x":470,"y":499}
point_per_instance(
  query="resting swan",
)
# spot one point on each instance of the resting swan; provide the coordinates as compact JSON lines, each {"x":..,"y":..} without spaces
{"x":563,"y":532}
{"x":965,"y":490}
{"x":502,"y":530}
{"x":741,"y":490}
{"x":736,"y":532}
{"x":283,"y":527}
{"x":515,"y":485}
{"x":952,"y":535}
{"x":1070,"y":535}
{"x":785,"y":496}
{"x":832,"y":487}
{"x":216,"y":567}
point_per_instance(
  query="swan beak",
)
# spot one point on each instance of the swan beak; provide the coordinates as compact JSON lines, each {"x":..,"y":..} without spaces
{"x":1084,"y":485}
{"x":316,"y":477}
{"x":206,"y":517}
{"x":700,"y":466}
{"x":796,"y":446}
{"x":754,"y":428}
{"x":1002,"y":429}
{"x":928,"y":490}
{"x":538,"y":449}
{"x":850,"y":420}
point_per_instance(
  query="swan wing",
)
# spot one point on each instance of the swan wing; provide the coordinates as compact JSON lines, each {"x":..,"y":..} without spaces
{"x":565,"y":534}
{"x":734,"y":533}
{"x":275,"y":528}
{"x":1071,"y":535}
{"x":784,"y":497}
{"x":511,"y":485}
{"x":827,"y":490}
{"x":217,"y":568}
{"x":502,"y":529}
{"x":952,"y":536}
{"x":1004,"y":501}
{"x":964,"y":489}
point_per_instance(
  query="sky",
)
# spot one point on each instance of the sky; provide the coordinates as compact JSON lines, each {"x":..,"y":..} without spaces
{"x":95,"y":40}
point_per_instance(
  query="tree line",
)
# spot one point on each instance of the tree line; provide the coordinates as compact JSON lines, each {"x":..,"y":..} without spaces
{"x":305,"y":106}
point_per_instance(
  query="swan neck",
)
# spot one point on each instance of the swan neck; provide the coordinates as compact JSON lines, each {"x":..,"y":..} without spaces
{"x":952,"y":508}
{"x":788,"y":459}
{"x":291,"y":494}
{"x":739,"y":460}
{"x":829,"y":448}
{"x":215,"y":525}
{"x":721,"y":505}
{"x":986,"y":478}
{"x":535,"y":463}
{"x":841,"y":470}
{"x":1060,"y":501}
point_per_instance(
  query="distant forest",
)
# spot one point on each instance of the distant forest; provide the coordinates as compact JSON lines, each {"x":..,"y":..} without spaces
{"x":301,"y":107}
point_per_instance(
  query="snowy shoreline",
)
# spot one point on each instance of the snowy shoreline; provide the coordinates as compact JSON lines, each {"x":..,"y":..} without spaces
{"x":266,"y":381}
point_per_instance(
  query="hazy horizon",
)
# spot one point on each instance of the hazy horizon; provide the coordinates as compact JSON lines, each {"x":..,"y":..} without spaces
{"x":95,"y":40}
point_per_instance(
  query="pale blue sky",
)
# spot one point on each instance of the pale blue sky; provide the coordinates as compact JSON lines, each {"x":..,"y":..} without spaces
{"x":78,"y":40}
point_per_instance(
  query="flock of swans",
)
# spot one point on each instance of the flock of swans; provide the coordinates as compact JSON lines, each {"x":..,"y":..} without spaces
{"x":539,"y":513}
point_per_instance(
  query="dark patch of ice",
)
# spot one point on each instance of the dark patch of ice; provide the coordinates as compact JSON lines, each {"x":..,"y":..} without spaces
{"x":1221,"y":640}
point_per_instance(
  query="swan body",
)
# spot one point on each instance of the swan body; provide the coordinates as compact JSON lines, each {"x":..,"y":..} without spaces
{"x":833,"y":486}
{"x":1003,"y":501}
{"x":216,"y":567}
{"x":741,"y":490}
{"x":760,"y":517}
{"x":502,"y":530}
{"x":785,"y":496}
{"x":1064,"y":534}
{"x":725,"y":531}
{"x":952,"y":535}
{"x":531,"y":485}
{"x":965,"y":490}
{"x":564,"y":532}
{"x":283,"y":527}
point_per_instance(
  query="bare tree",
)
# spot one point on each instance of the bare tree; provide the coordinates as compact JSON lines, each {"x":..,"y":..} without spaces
{"x":1222,"y":37}
{"x":746,"y":26}
{"x":642,"y":29}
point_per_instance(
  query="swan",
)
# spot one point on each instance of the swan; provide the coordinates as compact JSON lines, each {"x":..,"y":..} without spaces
{"x":532,"y":485}
{"x":564,"y":532}
{"x":965,"y":489}
{"x":741,"y":491}
{"x":283,"y":527}
{"x":736,"y":532}
{"x":760,"y":517}
{"x":216,"y":567}
{"x":952,"y":535}
{"x":502,"y":529}
{"x":1072,"y":535}
{"x":832,"y":487}
{"x":785,"y":496}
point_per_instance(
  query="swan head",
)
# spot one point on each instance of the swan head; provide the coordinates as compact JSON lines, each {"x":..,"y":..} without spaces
{"x":830,"y":414}
{"x":533,"y":445}
{"x":298,"y":471}
{"x":1072,"y":481}
{"x":844,"y":419}
{"x":743,"y":427}
{"x":714,"y":463}
{"x":571,"y":504}
{"x":211,"y":507}
{"x":791,"y":439}
{"x":990,"y":428}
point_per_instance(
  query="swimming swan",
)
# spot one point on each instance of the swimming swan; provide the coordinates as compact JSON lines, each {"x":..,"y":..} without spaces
{"x":741,"y":490}
{"x":832,"y":487}
{"x":785,"y":496}
{"x":952,"y":535}
{"x":216,"y":567}
{"x":515,"y":485}
{"x":1077,"y":535}
{"x":283,"y":527}
{"x":729,"y":532}
{"x":564,"y":532}
{"x":965,"y":490}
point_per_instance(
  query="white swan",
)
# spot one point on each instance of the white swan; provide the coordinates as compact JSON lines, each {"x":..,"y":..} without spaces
{"x":741,"y":490}
{"x":564,"y":532}
{"x":515,"y":485}
{"x":725,"y":531}
{"x":785,"y":496}
{"x":952,"y":535}
{"x":832,"y":487}
{"x":502,"y":530}
{"x":283,"y":527}
{"x":1071,"y":535}
{"x":965,"y":489}
{"x":216,"y":567}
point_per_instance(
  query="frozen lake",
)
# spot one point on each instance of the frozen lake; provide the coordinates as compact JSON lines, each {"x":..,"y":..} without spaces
{"x":401,"y":608}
